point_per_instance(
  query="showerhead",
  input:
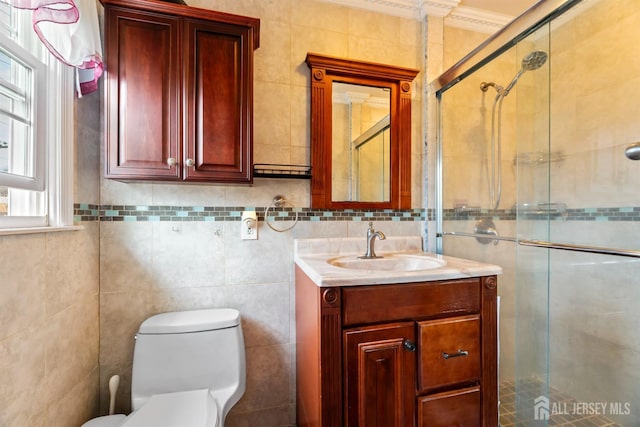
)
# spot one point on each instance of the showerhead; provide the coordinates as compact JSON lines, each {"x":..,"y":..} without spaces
{"x":532,"y":61}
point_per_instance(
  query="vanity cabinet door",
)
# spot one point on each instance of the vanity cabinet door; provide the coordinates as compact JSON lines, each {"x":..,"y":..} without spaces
{"x":218,"y":102}
{"x":379,"y":375}
{"x":143,"y":95}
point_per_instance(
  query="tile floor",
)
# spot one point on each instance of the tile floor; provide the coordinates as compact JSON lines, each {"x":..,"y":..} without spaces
{"x":529,"y":390}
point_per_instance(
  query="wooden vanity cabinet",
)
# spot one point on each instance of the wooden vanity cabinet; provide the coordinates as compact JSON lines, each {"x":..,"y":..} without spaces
{"x":179,"y":94}
{"x":416,"y":354}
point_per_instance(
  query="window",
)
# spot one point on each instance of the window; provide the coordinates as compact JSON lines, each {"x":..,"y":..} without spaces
{"x":36,"y":138}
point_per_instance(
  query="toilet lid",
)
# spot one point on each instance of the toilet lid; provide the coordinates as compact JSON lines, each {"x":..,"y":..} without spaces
{"x":179,"y":322}
{"x":194,"y":408}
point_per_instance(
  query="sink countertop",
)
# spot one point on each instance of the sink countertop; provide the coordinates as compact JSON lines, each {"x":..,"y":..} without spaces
{"x":311,"y":255}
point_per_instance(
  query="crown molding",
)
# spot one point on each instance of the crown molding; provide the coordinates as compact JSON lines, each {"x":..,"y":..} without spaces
{"x":403,"y":8}
{"x":440,"y":8}
{"x":479,"y":20}
{"x":454,"y":15}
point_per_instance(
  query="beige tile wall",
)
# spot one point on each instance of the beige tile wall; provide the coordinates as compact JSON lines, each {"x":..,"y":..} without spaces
{"x":146,"y":268}
{"x":49,"y":308}
{"x":49,"y":347}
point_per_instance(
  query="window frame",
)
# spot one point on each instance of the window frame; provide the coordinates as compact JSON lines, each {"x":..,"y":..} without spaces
{"x":38,"y":117}
{"x":54,"y":111}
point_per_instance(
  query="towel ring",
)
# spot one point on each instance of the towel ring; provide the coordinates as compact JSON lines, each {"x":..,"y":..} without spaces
{"x":279,"y":202}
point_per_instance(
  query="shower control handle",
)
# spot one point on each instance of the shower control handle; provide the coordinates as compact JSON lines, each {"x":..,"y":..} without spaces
{"x":456,"y":354}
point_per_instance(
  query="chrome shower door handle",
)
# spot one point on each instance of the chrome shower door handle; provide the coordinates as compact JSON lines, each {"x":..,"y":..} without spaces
{"x":633,"y":151}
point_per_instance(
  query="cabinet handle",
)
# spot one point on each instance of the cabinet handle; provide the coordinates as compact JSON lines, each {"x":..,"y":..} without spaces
{"x":189,"y":163}
{"x":171,"y":161}
{"x":409,"y":345}
{"x":457,"y":354}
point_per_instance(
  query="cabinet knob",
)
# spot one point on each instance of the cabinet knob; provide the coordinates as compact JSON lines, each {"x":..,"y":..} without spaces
{"x":409,"y":345}
{"x":189,"y":162}
{"x":171,"y":161}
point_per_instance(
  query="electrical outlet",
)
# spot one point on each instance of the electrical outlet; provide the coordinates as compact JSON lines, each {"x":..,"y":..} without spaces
{"x":249,"y":226}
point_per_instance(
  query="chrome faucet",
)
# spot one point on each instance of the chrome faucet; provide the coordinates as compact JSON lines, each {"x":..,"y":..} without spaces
{"x":371,"y":239}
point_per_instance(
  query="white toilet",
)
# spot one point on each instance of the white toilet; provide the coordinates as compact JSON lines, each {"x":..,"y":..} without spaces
{"x":189,"y":369}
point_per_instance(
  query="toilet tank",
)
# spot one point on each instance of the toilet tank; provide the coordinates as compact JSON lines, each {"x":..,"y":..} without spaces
{"x":190,"y":350}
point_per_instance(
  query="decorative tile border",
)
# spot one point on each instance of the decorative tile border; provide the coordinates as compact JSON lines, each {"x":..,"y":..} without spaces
{"x":584,"y":214}
{"x":472,"y":214}
{"x":86,"y":212}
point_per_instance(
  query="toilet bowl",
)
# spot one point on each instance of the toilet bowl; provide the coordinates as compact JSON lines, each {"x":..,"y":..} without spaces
{"x":189,"y":369}
{"x":195,"y":408}
{"x":106,"y":421}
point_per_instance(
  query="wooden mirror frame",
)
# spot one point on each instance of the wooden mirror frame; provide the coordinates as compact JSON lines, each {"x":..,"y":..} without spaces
{"x":324,"y":71}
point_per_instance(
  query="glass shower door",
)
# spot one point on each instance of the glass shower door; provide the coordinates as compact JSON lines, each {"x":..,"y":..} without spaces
{"x":594,"y":209}
{"x":563,"y":220}
{"x":486,"y":210}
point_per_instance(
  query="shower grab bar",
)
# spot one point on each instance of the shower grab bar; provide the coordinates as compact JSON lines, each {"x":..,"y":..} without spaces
{"x":580,"y":248}
{"x":550,"y":245}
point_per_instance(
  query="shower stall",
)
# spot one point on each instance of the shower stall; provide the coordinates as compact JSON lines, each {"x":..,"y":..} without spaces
{"x":536,"y":141}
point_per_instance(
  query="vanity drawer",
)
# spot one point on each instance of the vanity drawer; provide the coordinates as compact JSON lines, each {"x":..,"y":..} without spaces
{"x":449,"y":352}
{"x":451,"y":408}
{"x":386,"y":303}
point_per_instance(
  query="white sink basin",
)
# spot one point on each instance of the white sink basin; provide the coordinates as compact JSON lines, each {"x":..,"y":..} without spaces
{"x":389,"y":262}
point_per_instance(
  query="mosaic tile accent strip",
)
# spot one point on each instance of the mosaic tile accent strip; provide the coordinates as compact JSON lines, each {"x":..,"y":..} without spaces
{"x":90,"y":212}
{"x":583,"y":214}
{"x":84,"y":212}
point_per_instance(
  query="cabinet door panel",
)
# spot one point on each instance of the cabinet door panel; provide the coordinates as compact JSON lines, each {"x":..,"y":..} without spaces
{"x":449,"y":352}
{"x":143,"y":95}
{"x":379,"y":376}
{"x":458,"y":408}
{"x":219,"y":103}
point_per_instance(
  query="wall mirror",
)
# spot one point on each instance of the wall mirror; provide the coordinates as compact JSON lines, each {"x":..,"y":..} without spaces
{"x":360,"y":134}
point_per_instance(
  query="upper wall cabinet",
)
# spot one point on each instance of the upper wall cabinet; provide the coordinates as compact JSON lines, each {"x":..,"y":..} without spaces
{"x":179,"y":94}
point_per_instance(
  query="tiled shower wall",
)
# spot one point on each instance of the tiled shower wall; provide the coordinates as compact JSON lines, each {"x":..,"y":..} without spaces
{"x":154,"y":259}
